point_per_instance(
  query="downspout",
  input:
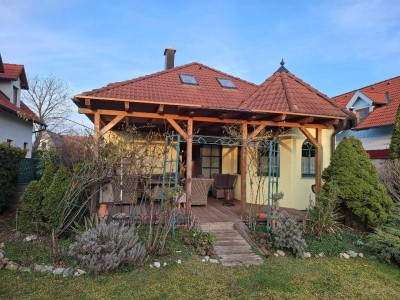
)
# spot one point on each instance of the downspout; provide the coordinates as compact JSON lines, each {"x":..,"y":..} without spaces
{"x":343,"y":124}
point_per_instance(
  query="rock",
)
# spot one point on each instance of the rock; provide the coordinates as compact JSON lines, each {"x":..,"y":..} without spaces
{"x":151,"y":265}
{"x":203,"y":260}
{"x":276,"y":254}
{"x":178,"y":261}
{"x":322,"y":254}
{"x":306,"y":255}
{"x":2,"y":255}
{"x":214,"y":261}
{"x":47,"y":269}
{"x":360,"y":255}
{"x":352,"y":253}
{"x":3,"y":263}
{"x":58,"y":271}
{"x":30,"y":238}
{"x":157,"y":264}
{"x":165,"y":264}
{"x":207,"y":258}
{"x":79,"y":272}
{"x":68,"y":272}
{"x":344,"y":255}
{"x":38,"y":268}
{"x":24,"y":269}
{"x":12,"y":266}
{"x":2,"y":245}
{"x":280,"y":253}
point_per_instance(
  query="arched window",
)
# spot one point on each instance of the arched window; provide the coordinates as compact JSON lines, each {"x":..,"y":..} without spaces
{"x":307,"y":159}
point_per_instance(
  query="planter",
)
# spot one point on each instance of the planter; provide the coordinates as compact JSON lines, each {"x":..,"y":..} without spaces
{"x":103,"y":210}
{"x":261,"y":215}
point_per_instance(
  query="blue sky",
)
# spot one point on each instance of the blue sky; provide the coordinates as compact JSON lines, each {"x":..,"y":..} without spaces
{"x":335,"y":46}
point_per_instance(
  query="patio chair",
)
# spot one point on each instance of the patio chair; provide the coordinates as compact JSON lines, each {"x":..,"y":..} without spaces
{"x":223,"y":182}
{"x":200,"y":187}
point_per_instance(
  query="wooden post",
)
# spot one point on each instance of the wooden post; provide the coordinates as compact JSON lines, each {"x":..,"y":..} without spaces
{"x":189,"y":145}
{"x":243,"y":171}
{"x":318,"y":161}
{"x":96,"y":147}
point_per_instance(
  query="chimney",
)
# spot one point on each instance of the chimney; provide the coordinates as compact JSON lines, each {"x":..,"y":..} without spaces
{"x":387,"y":99}
{"x":169,"y":54}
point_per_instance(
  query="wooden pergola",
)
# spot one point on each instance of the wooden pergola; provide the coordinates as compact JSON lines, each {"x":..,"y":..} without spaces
{"x":109,"y":113}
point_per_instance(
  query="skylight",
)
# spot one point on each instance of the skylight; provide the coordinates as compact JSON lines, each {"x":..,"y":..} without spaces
{"x":226,"y":83}
{"x":188,"y":79}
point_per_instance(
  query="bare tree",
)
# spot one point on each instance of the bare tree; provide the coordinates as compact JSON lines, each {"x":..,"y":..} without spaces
{"x":49,"y":97}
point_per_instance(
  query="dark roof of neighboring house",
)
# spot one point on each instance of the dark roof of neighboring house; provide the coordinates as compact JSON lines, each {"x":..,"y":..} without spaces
{"x":281,"y":93}
{"x":286,"y":93}
{"x":13,"y":72}
{"x":379,"y":154}
{"x":23,"y":111}
{"x":384,"y":115}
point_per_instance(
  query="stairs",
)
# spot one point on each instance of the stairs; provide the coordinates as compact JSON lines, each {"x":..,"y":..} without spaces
{"x":231,"y":248}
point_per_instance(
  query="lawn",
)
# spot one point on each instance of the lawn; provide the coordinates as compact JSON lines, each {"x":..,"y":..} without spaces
{"x":278,"y":278}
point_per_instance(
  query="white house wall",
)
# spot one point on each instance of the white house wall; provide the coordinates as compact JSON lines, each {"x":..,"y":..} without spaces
{"x":372,"y":139}
{"x":16,"y":129}
{"x":7,"y":88}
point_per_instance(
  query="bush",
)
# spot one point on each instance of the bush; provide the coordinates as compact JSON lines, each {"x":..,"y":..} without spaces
{"x":54,"y":197}
{"x":361,"y":194}
{"x":395,"y":140}
{"x":288,"y":234}
{"x":390,"y":176}
{"x":108,"y":246}
{"x":385,"y":242}
{"x":10,"y":157}
{"x":202,"y":242}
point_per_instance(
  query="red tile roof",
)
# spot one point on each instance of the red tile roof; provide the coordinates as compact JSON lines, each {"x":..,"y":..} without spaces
{"x":284,"y":92}
{"x":379,"y":154}
{"x":383,"y":115}
{"x":23,"y":111}
{"x":13,"y":72}
{"x":165,"y":87}
{"x":378,"y":98}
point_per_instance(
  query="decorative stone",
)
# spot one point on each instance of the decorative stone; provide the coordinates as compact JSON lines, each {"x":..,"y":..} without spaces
{"x":151,"y":266}
{"x":80,"y":271}
{"x":214,"y":261}
{"x":344,"y":255}
{"x":360,"y":255}
{"x":157,"y":264}
{"x":203,"y":260}
{"x":13,"y":266}
{"x":280,"y":253}
{"x":3,"y":264}
{"x":165,"y":264}
{"x":178,"y":261}
{"x":47,"y":269}
{"x":322,"y":254}
{"x":207,"y":258}
{"x":31,"y":237}
{"x":2,"y":255}
{"x":58,"y":271}
{"x":38,"y":268}
{"x":306,"y":255}
{"x":24,"y":269}
{"x":352,"y":253}
{"x":68,"y":272}
{"x":2,"y":245}
{"x":276,"y":254}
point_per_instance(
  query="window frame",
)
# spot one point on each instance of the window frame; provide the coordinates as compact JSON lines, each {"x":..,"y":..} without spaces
{"x":219,"y":147}
{"x":220,"y":81}
{"x":310,"y":150}
{"x":15,"y":95}
{"x":181,"y":77}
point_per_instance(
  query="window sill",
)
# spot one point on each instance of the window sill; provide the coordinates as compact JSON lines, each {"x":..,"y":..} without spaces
{"x":307,"y":175}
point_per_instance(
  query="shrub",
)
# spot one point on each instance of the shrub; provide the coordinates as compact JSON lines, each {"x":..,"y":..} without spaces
{"x":322,"y":216}
{"x":108,"y":246}
{"x":202,"y":242}
{"x":54,"y":197}
{"x":361,"y":194}
{"x":288,"y":234}
{"x":390,"y":176}
{"x":395,"y":140}
{"x":386,"y":239}
{"x":10,"y":157}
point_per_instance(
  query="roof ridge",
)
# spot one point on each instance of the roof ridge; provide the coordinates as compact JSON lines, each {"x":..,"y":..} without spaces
{"x":159,"y":73}
{"x":10,"y":64}
{"x":370,"y":85}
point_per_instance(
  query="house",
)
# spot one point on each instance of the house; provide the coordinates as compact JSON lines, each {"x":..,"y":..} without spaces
{"x":16,"y":119}
{"x":197,"y":100}
{"x":375,"y":107}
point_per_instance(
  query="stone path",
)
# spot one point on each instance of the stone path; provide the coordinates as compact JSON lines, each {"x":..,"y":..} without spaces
{"x":231,"y":247}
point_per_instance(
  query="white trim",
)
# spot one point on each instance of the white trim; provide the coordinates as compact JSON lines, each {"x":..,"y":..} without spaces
{"x":363,"y":97}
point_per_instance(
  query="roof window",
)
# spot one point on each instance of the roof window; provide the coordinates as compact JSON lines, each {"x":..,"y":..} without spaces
{"x":226,"y":83}
{"x":188,"y":79}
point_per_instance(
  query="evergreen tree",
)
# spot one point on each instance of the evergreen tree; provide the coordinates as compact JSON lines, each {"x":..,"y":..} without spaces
{"x":395,"y":140}
{"x":360,"y":191}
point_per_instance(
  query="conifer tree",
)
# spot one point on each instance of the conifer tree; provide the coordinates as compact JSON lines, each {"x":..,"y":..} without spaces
{"x":395,"y":140}
{"x":360,"y":191}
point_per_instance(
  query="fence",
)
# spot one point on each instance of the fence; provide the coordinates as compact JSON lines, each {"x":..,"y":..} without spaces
{"x":28,"y":170}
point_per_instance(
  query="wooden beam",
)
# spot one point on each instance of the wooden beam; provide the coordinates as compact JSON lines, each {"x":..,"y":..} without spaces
{"x":222,"y":116}
{"x":257,"y":131}
{"x":306,"y":120}
{"x":279,"y":118}
{"x":178,"y":128}
{"x":110,"y":125}
{"x":199,"y":119}
{"x":191,"y":114}
{"x":160,"y":109}
{"x":318,"y":162}
{"x":243,"y":173}
{"x":332,"y":122}
{"x":88,"y":103}
{"x":96,"y":148}
{"x":309,"y":136}
{"x":189,"y":149}
{"x":127,"y":105}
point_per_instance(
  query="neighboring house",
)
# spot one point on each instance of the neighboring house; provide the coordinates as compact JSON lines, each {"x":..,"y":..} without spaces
{"x":195,"y":99}
{"x":16,"y":119}
{"x":375,"y":107}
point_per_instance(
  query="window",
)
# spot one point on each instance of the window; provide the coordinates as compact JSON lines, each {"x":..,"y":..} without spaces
{"x":15,"y":95}
{"x":226,"y":83}
{"x":263,"y":158}
{"x":210,"y":160}
{"x":188,"y":79}
{"x":307,"y":159}
{"x":362,"y":114}
{"x":26,"y":146}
